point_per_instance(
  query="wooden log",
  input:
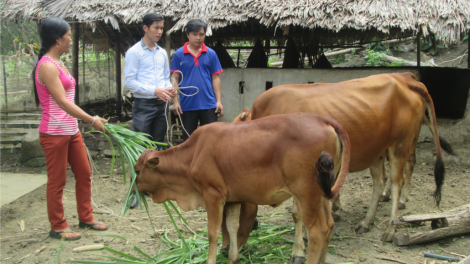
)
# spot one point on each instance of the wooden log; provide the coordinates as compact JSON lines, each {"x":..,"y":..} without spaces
{"x":449,"y":216}
{"x":460,"y":226}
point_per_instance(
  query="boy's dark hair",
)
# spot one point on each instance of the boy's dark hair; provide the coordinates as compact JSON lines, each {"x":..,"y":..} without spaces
{"x":150,"y":18}
{"x":195,"y":25}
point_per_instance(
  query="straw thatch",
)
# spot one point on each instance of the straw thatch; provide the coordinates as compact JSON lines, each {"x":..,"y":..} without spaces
{"x":447,"y":19}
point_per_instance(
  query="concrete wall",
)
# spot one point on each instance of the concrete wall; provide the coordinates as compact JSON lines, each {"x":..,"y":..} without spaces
{"x":255,"y":82}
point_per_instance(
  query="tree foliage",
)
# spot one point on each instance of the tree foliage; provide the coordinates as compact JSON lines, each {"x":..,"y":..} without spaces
{"x":23,"y":31}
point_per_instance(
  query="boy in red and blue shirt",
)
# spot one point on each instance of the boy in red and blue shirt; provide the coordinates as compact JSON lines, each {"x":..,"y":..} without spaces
{"x":201,"y":68}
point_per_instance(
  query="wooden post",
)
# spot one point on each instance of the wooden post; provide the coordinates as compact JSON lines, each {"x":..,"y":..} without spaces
{"x":75,"y":39}
{"x":168,"y":49}
{"x":109,"y":72}
{"x":468,"y":50}
{"x":267,"y":46}
{"x":418,"y":48}
{"x":238,"y":59}
{"x":83,"y":61}
{"x":5,"y":80}
{"x":117,"y":49}
{"x":167,"y":37}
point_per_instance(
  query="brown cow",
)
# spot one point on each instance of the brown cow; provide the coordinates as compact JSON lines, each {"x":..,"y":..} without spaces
{"x":382,"y":115}
{"x":266,"y":162}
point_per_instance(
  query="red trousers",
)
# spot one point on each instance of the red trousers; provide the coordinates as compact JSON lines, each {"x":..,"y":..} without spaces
{"x":59,"y":151}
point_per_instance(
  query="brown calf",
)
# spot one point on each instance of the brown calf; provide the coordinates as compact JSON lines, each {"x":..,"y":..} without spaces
{"x":265,"y":162}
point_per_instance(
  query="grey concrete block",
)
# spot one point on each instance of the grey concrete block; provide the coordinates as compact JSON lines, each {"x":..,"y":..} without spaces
{"x":31,"y":146}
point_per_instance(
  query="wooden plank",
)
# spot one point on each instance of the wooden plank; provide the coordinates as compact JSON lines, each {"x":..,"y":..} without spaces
{"x":423,"y":217}
{"x":16,"y":131}
{"x":28,"y":122}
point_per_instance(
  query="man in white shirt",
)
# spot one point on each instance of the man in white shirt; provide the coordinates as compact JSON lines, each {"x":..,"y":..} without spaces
{"x":147,"y":75}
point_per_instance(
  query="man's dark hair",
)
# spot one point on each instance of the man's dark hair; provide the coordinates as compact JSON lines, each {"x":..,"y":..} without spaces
{"x":150,"y":18}
{"x":195,"y":25}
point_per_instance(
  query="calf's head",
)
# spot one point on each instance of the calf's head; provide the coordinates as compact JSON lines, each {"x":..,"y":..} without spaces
{"x":147,"y":177}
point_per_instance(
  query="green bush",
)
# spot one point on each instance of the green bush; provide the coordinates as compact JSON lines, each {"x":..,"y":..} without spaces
{"x":377,"y":59}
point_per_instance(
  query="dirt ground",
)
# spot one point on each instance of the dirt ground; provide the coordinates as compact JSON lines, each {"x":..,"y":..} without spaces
{"x":108,"y":194}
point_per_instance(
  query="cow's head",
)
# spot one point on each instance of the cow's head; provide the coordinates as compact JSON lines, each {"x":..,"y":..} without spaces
{"x":245,"y":115}
{"x":147,"y":178}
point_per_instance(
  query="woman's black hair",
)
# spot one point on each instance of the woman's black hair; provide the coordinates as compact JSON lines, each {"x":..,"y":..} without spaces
{"x":150,"y":18}
{"x":51,"y":29}
{"x":195,"y":25}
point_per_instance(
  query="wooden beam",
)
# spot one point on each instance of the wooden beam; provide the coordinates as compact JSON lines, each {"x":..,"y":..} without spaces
{"x":117,"y":48}
{"x":267,"y":46}
{"x":75,"y":42}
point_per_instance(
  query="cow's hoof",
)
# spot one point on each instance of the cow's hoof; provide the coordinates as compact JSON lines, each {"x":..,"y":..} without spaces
{"x":387,"y":237}
{"x":336,"y":217}
{"x":233,"y":262}
{"x":224,"y":250}
{"x":384,"y":198}
{"x":297,"y":260}
{"x":401,"y":206}
{"x":361,"y":229}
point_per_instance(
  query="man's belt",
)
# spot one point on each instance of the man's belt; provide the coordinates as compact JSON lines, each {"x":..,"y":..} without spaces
{"x":150,"y":100}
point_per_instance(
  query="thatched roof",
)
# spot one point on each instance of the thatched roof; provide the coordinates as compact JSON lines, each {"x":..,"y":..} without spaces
{"x":447,"y":19}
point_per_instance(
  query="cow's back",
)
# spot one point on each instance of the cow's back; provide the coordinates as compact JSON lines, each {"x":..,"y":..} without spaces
{"x":248,"y":157}
{"x":375,"y":111}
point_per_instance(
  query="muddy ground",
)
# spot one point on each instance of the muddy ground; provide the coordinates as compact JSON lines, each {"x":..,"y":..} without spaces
{"x":108,"y":194}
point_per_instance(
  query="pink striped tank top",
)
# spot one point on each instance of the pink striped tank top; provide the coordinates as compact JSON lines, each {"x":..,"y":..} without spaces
{"x":54,"y":120}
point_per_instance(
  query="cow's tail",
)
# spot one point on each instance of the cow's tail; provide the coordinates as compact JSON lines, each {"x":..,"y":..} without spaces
{"x":444,"y":144}
{"x":439,"y":169}
{"x":325,"y":164}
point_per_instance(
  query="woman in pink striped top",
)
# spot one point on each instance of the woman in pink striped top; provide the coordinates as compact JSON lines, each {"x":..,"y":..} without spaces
{"x":61,"y":140}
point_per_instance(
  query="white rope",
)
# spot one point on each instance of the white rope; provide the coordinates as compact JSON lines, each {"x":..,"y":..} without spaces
{"x":179,"y":116}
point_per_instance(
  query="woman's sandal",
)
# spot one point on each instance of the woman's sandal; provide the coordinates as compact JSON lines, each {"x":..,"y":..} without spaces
{"x":91,"y":226}
{"x":56,"y":234}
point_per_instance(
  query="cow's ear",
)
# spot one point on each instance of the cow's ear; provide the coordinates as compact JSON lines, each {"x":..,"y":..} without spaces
{"x":152,"y":162}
